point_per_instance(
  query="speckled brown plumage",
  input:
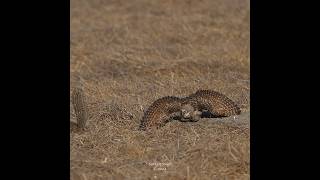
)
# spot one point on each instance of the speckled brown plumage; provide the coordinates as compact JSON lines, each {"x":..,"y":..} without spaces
{"x":214,"y":102}
{"x":160,"y":112}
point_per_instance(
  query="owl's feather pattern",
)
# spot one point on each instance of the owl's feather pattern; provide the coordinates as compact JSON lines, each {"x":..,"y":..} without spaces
{"x":166,"y":108}
{"x":160,"y":112}
{"x":216,"y":103}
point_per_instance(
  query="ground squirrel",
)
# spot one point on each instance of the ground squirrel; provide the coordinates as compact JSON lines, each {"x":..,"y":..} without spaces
{"x":209,"y":103}
{"x":161,"y":111}
{"x":80,"y":108}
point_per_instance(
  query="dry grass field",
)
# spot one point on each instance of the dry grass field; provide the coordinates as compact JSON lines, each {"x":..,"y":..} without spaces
{"x":128,"y":53}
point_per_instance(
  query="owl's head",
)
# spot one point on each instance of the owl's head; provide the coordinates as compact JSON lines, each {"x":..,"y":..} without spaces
{"x":190,"y":113}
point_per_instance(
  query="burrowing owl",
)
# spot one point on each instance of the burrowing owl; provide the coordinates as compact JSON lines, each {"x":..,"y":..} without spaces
{"x":191,"y":108}
{"x":161,"y":111}
{"x":212,"y":102}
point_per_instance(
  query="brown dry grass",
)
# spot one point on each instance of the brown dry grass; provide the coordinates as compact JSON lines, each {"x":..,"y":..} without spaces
{"x":128,"y":54}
